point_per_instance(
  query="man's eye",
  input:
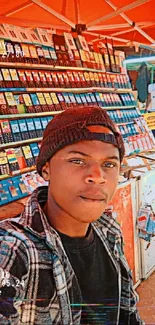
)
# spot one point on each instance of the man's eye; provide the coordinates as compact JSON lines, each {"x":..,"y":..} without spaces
{"x":77,"y":161}
{"x":109,"y":165}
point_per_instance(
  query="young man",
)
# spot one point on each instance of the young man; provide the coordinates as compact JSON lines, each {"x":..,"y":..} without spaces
{"x":62,"y":261}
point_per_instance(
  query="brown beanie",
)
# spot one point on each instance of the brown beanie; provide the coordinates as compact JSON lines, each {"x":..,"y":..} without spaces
{"x":70,"y":126}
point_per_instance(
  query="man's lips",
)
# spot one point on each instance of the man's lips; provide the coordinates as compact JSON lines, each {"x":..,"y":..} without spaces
{"x":92,"y":199}
{"x":93,"y":196}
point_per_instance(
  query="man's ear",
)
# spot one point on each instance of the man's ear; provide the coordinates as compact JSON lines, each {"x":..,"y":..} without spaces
{"x":46,"y":172}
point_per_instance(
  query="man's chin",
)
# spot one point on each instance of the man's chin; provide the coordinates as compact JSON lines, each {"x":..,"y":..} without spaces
{"x":89,"y":217}
{"x":87,"y":212}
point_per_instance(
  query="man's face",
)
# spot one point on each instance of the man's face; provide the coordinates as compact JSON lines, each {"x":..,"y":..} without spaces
{"x":83,"y":178}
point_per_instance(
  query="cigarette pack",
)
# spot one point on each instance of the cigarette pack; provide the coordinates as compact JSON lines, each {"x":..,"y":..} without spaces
{"x":6,"y":131}
{"x":28,"y":156}
{"x":15,"y":130}
{"x":31,"y":128}
{"x":23,"y":129}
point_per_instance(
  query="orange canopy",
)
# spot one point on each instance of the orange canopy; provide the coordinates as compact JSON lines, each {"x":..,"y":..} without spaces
{"x":124,"y":20}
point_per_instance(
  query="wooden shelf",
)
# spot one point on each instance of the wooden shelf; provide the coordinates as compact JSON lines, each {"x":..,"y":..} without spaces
{"x":18,"y":172}
{"x":18,"y":143}
{"x":50,"y":67}
{"x":114,"y":90}
{"x":12,"y":209}
{"x":66,"y":90}
{"x":62,"y":90}
{"x":83,"y":90}
{"x":27,"y":115}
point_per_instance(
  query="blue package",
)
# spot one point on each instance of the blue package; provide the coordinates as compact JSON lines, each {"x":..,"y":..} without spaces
{"x":44,"y":122}
{"x":38,"y":127}
{"x":34,"y":99}
{"x":35,"y":149}
{"x":15,"y":130}
{"x":23,"y":129}
{"x":5,"y":196}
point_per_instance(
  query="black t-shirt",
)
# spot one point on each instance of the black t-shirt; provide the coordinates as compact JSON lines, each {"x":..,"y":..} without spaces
{"x":97,"y":277}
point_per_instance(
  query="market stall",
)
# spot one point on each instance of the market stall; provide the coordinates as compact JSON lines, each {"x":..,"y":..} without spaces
{"x":124,"y":21}
{"x":57,"y":56}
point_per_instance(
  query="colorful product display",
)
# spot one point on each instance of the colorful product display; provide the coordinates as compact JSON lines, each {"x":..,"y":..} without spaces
{"x":20,"y":186}
{"x":19,"y":78}
{"x":22,"y":129}
{"x":27,"y":53}
{"x":128,"y":122}
{"x":40,"y":47}
{"x":32,"y":81}
{"x":57,"y":101}
{"x":62,"y":50}
{"x":15,"y":160}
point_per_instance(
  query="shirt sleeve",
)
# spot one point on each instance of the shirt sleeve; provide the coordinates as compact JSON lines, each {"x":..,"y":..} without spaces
{"x":13,"y":279}
{"x":134,"y":298}
{"x":131,"y":317}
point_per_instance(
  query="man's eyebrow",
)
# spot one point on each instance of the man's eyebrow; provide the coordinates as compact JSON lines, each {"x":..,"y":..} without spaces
{"x":79,"y":153}
{"x":86,"y":155}
{"x":113,"y":157}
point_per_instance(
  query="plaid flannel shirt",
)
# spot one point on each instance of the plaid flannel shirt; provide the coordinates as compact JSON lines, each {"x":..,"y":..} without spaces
{"x":37,"y":283}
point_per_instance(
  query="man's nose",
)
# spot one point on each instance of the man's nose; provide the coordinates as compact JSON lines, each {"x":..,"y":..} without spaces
{"x":96,"y":175}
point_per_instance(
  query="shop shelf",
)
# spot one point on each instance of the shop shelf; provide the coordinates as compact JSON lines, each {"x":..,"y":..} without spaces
{"x":12,"y":116}
{"x":26,"y":115}
{"x":18,"y":172}
{"x":72,"y":90}
{"x":50,"y":67}
{"x":18,"y":143}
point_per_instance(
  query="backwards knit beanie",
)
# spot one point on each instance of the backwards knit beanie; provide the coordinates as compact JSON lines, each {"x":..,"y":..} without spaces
{"x":70,"y":126}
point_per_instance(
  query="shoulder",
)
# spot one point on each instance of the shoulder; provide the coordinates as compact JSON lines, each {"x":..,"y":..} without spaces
{"x":14,"y":236}
{"x":109,"y":224}
{"x":12,"y":227}
{"x":110,"y":232}
{"x":13,"y":251}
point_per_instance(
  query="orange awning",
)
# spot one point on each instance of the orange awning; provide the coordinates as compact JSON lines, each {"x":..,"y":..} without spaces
{"x":123,"y":20}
